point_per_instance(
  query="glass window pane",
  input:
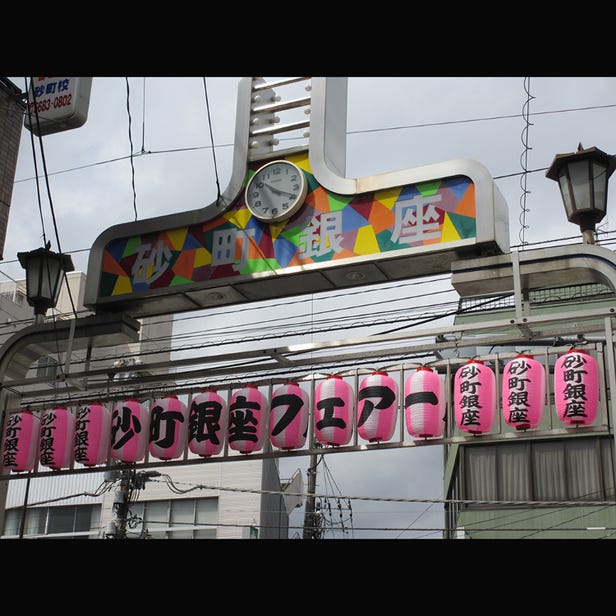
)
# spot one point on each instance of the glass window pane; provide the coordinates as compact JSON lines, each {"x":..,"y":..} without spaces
{"x":84,"y":515}
{"x":583,"y":470}
{"x":564,"y":191}
{"x":608,"y":467}
{"x":549,"y":471}
{"x":182,"y":516}
{"x":207,"y":511}
{"x":35,"y":521}
{"x":480,"y":475}
{"x":513,"y":472}
{"x":12,"y":522}
{"x":183,"y":512}
{"x":600,"y":178}
{"x":581,"y":184}
{"x":40,"y":523}
{"x":156,"y":515}
{"x":61,"y":520}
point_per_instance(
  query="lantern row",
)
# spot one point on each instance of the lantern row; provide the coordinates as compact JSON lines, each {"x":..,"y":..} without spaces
{"x":88,"y":437}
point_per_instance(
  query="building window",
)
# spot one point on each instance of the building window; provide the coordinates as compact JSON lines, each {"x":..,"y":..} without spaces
{"x":579,"y":469}
{"x":186,"y":518}
{"x":47,"y":367}
{"x":66,"y":522}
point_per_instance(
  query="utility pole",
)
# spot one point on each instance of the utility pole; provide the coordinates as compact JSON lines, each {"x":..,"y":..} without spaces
{"x":130,"y":480}
{"x":120,"y":503}
{"x":310,"y":516}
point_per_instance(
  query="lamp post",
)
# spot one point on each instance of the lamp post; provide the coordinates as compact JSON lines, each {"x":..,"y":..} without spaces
{"x":582,"y":177}
{"x":44,"y":269}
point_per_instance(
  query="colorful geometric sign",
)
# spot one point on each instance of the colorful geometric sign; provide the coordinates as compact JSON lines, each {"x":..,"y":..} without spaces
{"x":328,"y":228}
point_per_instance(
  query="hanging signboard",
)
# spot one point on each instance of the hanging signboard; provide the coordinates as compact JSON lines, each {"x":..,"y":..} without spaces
{"x":291,"y":225}
{"x":57,"y":104}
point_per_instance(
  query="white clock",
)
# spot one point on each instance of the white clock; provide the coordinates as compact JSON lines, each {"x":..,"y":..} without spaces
{"x":276,"y":191}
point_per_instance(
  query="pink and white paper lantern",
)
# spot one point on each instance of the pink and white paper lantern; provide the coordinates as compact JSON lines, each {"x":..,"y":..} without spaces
{"x":424,"y":403}
{"x":377,"y":406}
{"x":523,"y":392}
{"x":21,"y":441}
{"x":247,"y":419}
{"x":289,"y":411}
{"x":130,"y":430}
{"x":474,"y":397}
{"x":57,"y":438}
{"x":168,"y":427}
{"x":334,"y":402}
{"x":208,"y":422}
{"x":92,"y":434}
{"x":576,"y":388}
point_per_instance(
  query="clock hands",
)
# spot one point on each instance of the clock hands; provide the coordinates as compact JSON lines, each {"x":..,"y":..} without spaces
{"x":277,"y":190}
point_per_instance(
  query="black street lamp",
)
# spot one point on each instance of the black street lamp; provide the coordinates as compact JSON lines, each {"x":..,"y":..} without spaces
{"x":582,"y":177}
{"x":44,"y":269}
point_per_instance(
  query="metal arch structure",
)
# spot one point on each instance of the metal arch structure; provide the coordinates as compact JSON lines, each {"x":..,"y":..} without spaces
{"x":22,"y":350}
{"x":519,"y":272}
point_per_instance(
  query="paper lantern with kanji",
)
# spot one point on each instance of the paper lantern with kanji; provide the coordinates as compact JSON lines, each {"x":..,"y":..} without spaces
{"x":424,"y":403}
{"x":247,"y":419}
{"x":289,"y":410}
{"x":130,"y":430}
{"x":474,"y":397}
{"x":168,"y":427}
{"x":523,"y":392}
{"x":377,"y":406}
{"x":92,"y":434}
{"x":334,"y":402}
{"x":57,"y":438}
{"x":208,"y":422}
{"x":21,"y":441}
{"x":576,"y":388}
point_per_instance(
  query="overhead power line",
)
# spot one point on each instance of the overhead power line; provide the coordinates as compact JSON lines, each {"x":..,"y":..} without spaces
{"x":351,"y":132}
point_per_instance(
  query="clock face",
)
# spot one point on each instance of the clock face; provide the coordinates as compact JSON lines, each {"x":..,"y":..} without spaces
{"x":276,"y":191}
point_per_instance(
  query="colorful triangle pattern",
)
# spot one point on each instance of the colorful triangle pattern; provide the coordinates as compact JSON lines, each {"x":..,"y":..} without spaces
{"x":327,"y":228}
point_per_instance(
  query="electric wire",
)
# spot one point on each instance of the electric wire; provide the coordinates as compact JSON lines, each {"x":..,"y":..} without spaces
{"x":349,"y":132}
{"x":130,"y":141}
{"x":481,"y":119}
{"x":175,"y":486}
{"x":209,"y":119}
{"x":524,"y":162}
{"x":34,"y":162}
{"x":322,"y":524}
{"x":142,"y":121}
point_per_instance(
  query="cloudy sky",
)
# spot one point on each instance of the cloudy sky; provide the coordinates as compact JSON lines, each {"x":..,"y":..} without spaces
{"x":393,"y":123}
